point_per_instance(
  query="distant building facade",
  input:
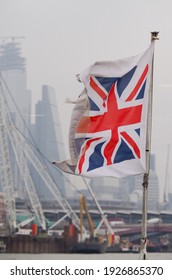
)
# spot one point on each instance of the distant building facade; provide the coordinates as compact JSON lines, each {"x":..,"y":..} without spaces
{"x":48,"y":136}
{"x":46,"y":130}
{"x":128,"y":190}
{"x":153,"y":189}
{"x":18,"y":97}
{"x":153,"y":192}
{"x":13,"y":74}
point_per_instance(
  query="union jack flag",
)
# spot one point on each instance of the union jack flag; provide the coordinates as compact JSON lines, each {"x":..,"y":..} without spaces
{"x":109,"y":135}
{"x":108,"y":127}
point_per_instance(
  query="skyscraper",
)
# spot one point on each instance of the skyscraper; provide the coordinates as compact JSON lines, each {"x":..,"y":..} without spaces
{"x":13,"y":74}
{"x":48,"y":137}
{"x":18,"y":98}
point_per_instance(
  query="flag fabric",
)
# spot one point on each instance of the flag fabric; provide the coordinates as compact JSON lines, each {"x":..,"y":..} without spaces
{"x":109,"y":122}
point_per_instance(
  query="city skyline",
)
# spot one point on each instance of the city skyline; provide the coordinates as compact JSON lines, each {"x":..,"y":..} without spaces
{"x":47,"y":135}
{"x":61,"y":39}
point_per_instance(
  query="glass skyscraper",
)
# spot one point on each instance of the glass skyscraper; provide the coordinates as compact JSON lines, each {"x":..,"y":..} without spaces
{"x":18,"y":98}
{"x":48,"y":136}
{"x":13,"y":75}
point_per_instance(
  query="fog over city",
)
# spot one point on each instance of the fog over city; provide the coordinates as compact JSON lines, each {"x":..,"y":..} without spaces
{"x":60,"y":39}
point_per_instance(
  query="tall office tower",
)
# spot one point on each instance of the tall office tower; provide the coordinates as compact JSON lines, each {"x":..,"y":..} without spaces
{"x":48,"y":137}
{"x":13,"y":81}
{"x":13,"y":71}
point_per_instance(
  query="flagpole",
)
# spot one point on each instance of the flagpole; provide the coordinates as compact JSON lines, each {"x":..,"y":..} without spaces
{"x":143,"y":251}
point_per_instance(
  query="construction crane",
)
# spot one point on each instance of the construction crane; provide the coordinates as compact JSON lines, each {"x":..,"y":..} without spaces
{"x":83,"y":206}
{"x":91,"y":242}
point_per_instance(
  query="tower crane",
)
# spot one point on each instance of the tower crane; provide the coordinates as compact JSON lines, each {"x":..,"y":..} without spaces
{"x":83,"y":206}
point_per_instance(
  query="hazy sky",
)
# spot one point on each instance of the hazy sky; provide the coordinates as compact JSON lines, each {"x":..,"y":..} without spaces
{"x":63,"y":37}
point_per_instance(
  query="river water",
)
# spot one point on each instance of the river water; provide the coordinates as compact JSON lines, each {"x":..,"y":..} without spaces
{"x":106,"y":256}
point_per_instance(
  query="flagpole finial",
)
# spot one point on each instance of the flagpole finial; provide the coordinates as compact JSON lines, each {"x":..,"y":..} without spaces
{"x":154,"y":35}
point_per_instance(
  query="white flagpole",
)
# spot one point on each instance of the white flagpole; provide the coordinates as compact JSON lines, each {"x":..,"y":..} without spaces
{"x":143,"y":251}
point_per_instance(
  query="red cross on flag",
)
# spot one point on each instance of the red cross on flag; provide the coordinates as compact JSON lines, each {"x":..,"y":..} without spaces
{"x":109,"y":122}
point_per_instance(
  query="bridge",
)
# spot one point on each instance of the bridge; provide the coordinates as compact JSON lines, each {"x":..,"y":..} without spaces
{"x":135,"y":230}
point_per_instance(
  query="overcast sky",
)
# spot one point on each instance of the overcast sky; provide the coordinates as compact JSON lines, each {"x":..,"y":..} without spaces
{"x":63,"y":37}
